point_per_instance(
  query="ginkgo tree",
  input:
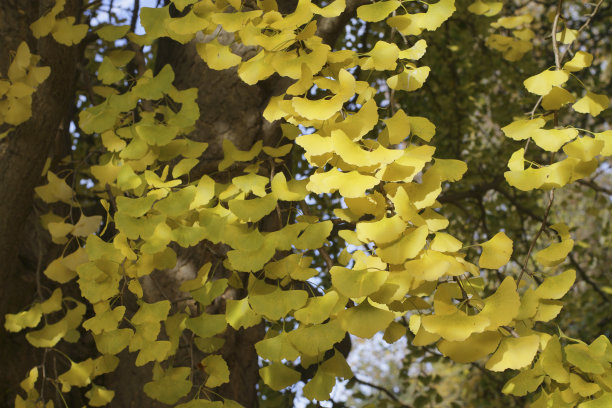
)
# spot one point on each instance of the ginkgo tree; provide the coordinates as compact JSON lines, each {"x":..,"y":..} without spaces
{"x":243,"y":194}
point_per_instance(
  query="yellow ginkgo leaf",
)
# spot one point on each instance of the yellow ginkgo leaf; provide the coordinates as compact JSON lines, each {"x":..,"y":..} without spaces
{"x":295,"y":190}
{"x":357,"y":283}
{"x":256,"y":69}
{"x":99,"y":396}
{"x":606,"y":137}
{"x":332,"y":9}
{"x":514,"y":353}
{"x":502,"y":306}
{"x":582,"y":357}
{"x":383,"y":231}
{"x":383,"y":57}
{"x":542,"y":83}
{"x":323,"y":109}
{"x":555,"y":253}
{"x":56,"y":190}
{"x":557,"y":98}
{"x":27,"y":318}
{"x":584,"y":148}
{"x":475,"y":347}
{"x":414,"y":24}
{"x":552,"y":139}
{"x":365,"y":320}
{"x":444,"y":242}
{"x":433,"y":265}
{"x":526,"y":180}
{"x":217,"y":56}
{"x":556,"y":286}
{"x":351,"y":184}
{"x":547,"y":310}
{"x":410,"y":79}
{"x":352,"y":153}
{"x":567,"y":36}
{"x":436,"y":14}
{"x":524,"y":382}
{"x":512,"y":21}
{"x":523,"y":128}
{"x":496,"y":252}
{"x":398,"y":127}
{"x":592,"y":104}
{"x":456,"y":326}
{"x":377,"y":11}
{"x":276,"y":348}
{"x":552,"y":361}
{"x":318,"y":308}
{"x":415,"y":52}
{"x":582,"y":387}
{"x":581,"y":59}
{"x":86,"y":225}
{"x":405,"y":248}
{"x":422,"y":127}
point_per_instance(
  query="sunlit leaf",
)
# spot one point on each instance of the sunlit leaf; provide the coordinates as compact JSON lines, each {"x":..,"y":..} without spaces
{"x":514,"y":353}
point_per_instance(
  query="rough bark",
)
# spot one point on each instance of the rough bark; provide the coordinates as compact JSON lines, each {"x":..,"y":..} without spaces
{"x":22,"y":157}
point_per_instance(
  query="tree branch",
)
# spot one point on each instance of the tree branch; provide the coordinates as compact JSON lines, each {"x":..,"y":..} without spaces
{"x":384,"y":390}
{"x":535,"y":239}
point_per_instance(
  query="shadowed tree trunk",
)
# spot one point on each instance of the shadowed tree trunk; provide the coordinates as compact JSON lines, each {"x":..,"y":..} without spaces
{"x":22,"y":157}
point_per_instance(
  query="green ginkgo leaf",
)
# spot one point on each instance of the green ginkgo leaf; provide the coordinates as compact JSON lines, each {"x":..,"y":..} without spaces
{"x":99,"y":396}
{"x":277,"y":304}
{"x":525,"y":382}
{"x":216,"y":369}
{"x":278,"y":376}
{"x":316,"y":339}
{"x":239,"y":314}
{"x":113,"y":342}
{"x":276,"y":348}
{"x":320,"y":386}
{"x":206,"y":325}
{"x":318,"y":308}
{"x":170,"y":385}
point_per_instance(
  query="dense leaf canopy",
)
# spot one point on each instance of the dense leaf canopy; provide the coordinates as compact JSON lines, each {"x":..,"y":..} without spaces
{"x":438,"y":173}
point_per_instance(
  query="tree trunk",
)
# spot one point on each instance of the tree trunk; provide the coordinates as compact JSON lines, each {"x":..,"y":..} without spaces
{"x":22,"y":156}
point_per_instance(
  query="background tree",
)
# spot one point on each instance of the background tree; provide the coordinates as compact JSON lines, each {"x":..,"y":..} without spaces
{"x":117,"y":116}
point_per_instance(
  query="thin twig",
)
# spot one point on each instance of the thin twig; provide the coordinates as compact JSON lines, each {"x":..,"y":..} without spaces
{"x":587,"y":279}
{"x":383,"y":389}
{"x":535,"y":239}
{"x":554,"y":34}
{"x":583,"y":27}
